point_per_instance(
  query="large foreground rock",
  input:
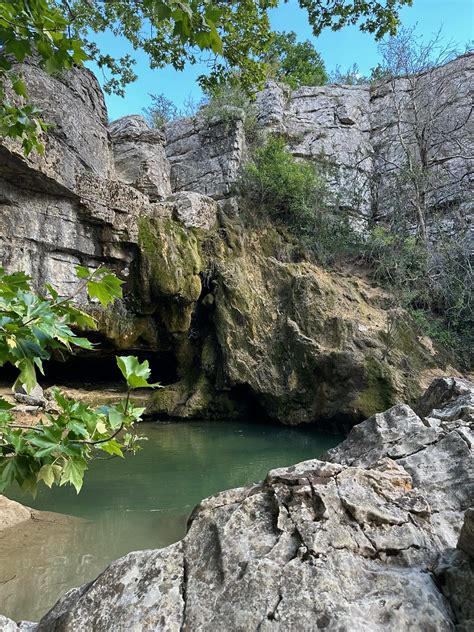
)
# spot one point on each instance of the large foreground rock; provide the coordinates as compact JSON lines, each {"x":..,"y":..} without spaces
{"x":361,"y":542}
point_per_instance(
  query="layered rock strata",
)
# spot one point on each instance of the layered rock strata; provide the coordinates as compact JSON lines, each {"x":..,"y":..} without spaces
{"x":235,"y":319}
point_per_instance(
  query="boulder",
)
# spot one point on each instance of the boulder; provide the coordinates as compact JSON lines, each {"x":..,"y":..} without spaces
{"x":310,"y":343}
{"x":416,"y":444}
{"x":193,"y":210}
{"x":33,"y":398}
{"x":345,"y":544}
{"x":454,"y":571}
{"x":73,"y":104}
{"x":7,"y":625}
{"x":205,"y":157}
{"x":12,"y":513}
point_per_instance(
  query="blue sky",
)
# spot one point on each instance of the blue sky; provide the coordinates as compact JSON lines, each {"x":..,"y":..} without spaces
{"x":342,"y":48}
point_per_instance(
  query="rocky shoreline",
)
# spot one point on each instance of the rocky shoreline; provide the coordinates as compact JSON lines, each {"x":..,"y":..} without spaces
{"x":379,"y":536}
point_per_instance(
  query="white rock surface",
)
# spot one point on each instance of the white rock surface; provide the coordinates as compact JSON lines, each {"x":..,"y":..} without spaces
{"x":139,"y":156}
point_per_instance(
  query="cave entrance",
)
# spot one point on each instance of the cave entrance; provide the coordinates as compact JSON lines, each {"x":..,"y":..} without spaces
{"x":97,"y":370}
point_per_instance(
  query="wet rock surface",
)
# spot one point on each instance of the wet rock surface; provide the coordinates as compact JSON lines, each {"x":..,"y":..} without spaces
{"x":352,"y":543}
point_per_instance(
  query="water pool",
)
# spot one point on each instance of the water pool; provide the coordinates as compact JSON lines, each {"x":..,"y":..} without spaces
{"x":139,"y":502}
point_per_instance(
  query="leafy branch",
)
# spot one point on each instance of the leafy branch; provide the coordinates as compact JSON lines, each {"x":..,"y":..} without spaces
{"x":57,"y":449}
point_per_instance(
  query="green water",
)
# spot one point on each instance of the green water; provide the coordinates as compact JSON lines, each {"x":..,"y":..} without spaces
{"x":139,"y":502}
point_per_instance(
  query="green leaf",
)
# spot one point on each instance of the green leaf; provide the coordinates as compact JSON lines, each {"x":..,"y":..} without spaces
{"x":116,"y":417}
{"x":4,"y":405}
{"x":112,"y":447}
{"x":11,"y":470}
{"x":82,"y":272}
{"x":83,"y":343}
{"x":134,"y":372}
{"x":77,"y":427}
{"x":27,"y":374}
{"x":47,"y":475}
{"x":20,"y":48}
{"x":106,"y":290}
{"x":19,"y":87}
{"x":73,"y":472}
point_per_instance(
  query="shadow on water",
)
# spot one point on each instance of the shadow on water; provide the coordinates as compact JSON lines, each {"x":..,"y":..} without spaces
{"x":137,"y":503}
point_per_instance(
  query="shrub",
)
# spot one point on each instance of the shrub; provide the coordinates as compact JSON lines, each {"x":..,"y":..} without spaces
{"x":434,"y":282}
{"x":294,"y":63}
{"x":396,"y":259}
{"x":161,"y":111}
{"x":294,"y":194}
{"x":227,"y":102}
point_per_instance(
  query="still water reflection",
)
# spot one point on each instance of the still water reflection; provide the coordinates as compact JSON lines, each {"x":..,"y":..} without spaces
{"x":137,"y":503}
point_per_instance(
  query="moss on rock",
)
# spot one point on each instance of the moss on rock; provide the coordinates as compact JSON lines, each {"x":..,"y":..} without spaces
{"x":380,"y":391}
{"x":171,"y":263}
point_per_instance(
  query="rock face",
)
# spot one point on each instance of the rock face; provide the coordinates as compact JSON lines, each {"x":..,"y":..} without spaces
{"x":362,"y":541}
{"x":370,"y":135}
{"x":205,"y":157}
{"x":62,"y":209}
{"x":304,"y":338}
{"x":139,"y":156}
{"x":236,"y":320}
{"x":330,"y":123}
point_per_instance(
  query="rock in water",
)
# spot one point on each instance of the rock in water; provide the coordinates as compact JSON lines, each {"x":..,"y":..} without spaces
{"x":349,"y":544}
{"x":33,"y":398}
{"x":12,"y":513}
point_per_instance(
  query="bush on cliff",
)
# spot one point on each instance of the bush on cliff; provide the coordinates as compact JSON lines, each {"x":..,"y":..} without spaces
{"x":294,"y":63}
{"x":436,"y":284}
{"x":294,"y":194}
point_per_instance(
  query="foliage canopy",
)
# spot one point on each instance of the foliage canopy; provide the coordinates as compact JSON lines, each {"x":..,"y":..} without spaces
{"x":294,"y":63}
{"x":234,"y":35}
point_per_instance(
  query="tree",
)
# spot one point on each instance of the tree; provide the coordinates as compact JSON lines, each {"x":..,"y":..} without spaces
{"x":234,"y":34}
{"x":423,"y":163}
{"x":427,"y":140}
{"x":294,"y":63}
{"x":350,"y":77}
{"x":161,"y":111}
{"x":58,"y":447}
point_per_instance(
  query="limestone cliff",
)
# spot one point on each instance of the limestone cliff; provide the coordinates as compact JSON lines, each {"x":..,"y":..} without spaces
{"x":235,"y":319}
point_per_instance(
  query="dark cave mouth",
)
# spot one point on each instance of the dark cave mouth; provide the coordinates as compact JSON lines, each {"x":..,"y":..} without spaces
{"x":93,"y":371}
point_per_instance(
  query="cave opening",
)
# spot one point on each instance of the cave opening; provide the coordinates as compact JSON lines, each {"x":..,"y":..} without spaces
{"x":97,"y":370}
